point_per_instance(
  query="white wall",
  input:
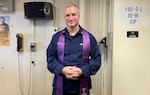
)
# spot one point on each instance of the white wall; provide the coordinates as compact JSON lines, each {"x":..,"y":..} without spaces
{"x":131,"y":73}
{"x":9,"y":65}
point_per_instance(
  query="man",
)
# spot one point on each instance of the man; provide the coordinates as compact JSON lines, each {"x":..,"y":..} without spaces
{"x":73,"y":56}
{"x":4,"y":25}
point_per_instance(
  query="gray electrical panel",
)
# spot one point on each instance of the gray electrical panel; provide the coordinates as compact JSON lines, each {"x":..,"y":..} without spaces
{"x":6,"y":5}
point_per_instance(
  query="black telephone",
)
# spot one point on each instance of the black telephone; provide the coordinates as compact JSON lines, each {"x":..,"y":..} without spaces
{"x":19,"y":37}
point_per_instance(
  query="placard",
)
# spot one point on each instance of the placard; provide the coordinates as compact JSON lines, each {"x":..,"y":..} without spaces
{"x":4,"y":31}
{"x":133,"y":15}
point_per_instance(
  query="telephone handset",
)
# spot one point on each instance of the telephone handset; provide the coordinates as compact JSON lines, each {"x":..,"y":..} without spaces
{"x":19,"y":37}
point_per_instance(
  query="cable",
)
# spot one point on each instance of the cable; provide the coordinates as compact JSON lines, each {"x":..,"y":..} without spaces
{"x":20,"y":84}
{"x":30,"y":71}
{"x":30,"y":74}
{"x":29,"y":87}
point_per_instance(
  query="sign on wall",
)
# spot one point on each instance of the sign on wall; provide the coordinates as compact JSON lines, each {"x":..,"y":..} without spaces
{"x":4,"y":31}
{"x":133,"y":15}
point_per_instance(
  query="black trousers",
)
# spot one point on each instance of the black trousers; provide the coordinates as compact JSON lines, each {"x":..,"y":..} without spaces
{"x":65,"y":93}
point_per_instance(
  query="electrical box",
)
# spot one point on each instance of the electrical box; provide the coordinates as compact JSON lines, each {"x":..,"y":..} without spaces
{"x":32,"y":46}
{"x":6,"y":5}
{"x":132,"y":34}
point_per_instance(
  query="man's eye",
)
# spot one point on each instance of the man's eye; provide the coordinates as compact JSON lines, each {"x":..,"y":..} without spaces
{"x":73,"y":14}
{"x":67,"y":15}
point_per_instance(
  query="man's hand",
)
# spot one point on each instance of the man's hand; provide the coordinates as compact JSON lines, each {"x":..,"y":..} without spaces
{"x":72,"y":72}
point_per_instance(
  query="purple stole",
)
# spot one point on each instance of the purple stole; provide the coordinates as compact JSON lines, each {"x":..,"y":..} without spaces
{"x":86,"y":49}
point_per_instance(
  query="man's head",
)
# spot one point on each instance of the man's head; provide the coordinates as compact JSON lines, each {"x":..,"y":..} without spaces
{"x":2,"y":19}
{"x":71,"y":15}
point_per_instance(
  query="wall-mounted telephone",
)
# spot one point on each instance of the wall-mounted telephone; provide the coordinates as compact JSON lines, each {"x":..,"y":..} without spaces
{"x":19,"y":37}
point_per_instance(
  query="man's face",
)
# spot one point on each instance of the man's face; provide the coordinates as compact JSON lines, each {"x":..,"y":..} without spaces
{"x":1,"y":20}
{"x":71,"y":16}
